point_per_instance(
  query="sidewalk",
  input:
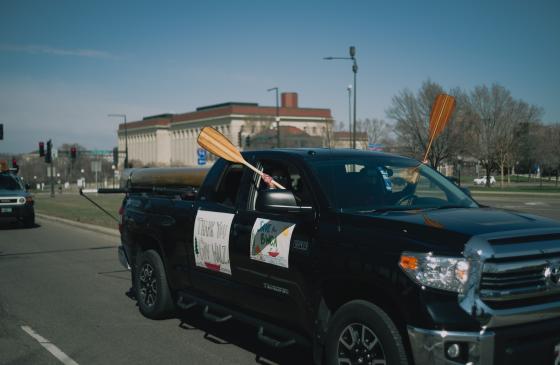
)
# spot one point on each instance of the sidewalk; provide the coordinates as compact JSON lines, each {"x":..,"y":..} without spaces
{"x":89,"y":227}
{"x":530,"y":193}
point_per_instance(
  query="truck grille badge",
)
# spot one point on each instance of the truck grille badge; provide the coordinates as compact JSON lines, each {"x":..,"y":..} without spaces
{"x":552,"y":275}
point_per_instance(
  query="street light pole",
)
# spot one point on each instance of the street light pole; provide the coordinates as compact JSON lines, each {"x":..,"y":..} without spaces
{"x":352,"y":51}
{"x":349,"y":88}
{"x":125,"y":137}
{"x":277,"y":117}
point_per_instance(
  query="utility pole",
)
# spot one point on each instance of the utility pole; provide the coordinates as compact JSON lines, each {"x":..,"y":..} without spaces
{"x":125,"y":137}
{"x":49,"y":160}
{"x":352,"y":57}
{"x":349,"y":88}
{"x":277,"y":117}
{"x":355,"y":71}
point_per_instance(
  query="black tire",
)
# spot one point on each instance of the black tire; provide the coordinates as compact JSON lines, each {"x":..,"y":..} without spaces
{"x":29,"y":222}
{"x":361,"y":332}
{"x":150,"y":286}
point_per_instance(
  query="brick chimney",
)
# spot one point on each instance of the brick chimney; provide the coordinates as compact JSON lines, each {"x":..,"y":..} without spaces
{"x":289,"y":100}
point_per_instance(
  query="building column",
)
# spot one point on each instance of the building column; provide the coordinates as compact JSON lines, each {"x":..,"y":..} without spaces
{"x":183,"y":145}
{"x":190,"y":147}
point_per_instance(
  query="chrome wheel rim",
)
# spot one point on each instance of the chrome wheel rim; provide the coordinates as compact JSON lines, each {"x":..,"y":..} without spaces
{"x":358,"y":344}
{"x":148,"y":285}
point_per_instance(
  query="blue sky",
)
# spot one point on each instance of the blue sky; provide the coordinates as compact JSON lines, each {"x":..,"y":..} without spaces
{"x":65,"y":65}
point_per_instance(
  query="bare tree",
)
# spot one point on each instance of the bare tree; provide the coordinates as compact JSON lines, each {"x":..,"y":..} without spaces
{"x":547,"y":150}
{"x":555,"y":142}
{"x":377,"y":129}
{"x":412,"y":113}
{"x":495,"y":115}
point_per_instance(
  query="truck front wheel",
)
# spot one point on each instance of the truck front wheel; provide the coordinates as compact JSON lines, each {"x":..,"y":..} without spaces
{"x":150,"y":285}
{"x":362,"y":333}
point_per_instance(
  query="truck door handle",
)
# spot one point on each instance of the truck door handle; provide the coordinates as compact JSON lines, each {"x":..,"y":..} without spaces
{"x":166,"y":222}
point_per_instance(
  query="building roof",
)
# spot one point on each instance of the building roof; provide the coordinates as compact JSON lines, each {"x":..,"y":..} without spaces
{"x":146,"y":122}
{"x":227,"y":109}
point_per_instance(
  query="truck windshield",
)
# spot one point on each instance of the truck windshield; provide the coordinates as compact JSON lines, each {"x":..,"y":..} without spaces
{"x":8,"y":183}
{"x":379,"y":184}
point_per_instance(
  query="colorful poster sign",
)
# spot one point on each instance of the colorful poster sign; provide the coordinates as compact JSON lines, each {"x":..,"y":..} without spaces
{"x":270,"y":241}
{"x":211,"y":240}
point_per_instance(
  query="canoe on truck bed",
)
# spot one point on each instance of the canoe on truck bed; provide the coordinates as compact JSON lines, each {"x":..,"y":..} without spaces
{"x":166,"y":177}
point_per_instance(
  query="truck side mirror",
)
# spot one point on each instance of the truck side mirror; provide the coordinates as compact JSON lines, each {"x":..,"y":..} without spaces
{"x":27,"y":187}
{"x":279,"y":201}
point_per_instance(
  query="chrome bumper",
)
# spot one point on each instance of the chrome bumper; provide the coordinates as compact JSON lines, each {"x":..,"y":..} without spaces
{"x":123,"y":257}
{"x":430,"y":347}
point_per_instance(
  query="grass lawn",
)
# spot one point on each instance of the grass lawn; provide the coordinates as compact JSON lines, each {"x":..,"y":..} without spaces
{"x":75,"y":207}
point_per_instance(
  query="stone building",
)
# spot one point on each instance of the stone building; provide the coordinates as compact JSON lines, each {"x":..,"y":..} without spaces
{"x":343,"y":139}
{"x":170,"y":139}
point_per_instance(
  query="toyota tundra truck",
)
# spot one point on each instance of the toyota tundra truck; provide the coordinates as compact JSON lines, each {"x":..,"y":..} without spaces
{"x":365,"y":257}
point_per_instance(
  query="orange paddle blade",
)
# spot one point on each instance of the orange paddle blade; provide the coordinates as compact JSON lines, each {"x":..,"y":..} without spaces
{"x":215,"y":142}
{"x":441,"y":113}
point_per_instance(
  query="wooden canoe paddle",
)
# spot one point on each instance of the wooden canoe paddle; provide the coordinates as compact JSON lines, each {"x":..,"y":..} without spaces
{"x":215,"y":142}
{"x":441,"y":113}
{"x":442,"y":108}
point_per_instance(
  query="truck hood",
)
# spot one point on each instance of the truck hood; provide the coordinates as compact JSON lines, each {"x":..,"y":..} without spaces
{"x":471,"y":221}
{"x":5,"y":192}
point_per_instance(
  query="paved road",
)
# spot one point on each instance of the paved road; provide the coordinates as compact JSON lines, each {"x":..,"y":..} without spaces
{"x":67,"y":286}
{"x":540,"y":204}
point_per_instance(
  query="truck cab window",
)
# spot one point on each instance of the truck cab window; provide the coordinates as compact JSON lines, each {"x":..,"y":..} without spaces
{"x":228,"y":186}
{"x":288,"y":176}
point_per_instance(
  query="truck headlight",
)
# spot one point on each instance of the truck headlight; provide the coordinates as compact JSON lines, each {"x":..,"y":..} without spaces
{"x":438,"y":272}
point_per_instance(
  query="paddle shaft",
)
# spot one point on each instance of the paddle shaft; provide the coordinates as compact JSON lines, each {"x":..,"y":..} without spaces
{"x":261,"y":174}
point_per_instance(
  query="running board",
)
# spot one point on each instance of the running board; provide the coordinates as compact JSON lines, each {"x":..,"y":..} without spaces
{"x":183,"y":305}
{"x":211,"y":317}
{"x":273,"y":342}
{"x":275,"y":336}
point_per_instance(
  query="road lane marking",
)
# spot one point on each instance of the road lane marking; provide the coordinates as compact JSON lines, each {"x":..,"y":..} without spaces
{"x":50,"y":347}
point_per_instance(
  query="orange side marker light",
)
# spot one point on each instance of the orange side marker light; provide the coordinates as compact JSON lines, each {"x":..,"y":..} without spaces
{"x":409,"y":262}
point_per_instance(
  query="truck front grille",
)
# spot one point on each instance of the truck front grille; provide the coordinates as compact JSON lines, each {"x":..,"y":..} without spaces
{"x":515,"y":282}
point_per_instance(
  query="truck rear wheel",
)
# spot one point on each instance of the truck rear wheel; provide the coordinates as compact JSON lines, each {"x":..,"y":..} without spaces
{"x":29,"y":222}
{"x":362,"y":333}
{"x":150,"y":285}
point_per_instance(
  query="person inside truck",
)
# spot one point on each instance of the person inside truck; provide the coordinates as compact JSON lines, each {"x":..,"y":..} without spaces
{"x":280,"y":175}
{"x":289,"y":178}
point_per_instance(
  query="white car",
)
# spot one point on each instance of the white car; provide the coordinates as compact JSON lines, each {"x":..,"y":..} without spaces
{"x":482,"y":180}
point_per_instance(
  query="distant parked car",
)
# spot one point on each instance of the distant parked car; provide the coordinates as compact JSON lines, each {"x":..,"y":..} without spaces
{"x":15,"y":200}
{"x":482,"y":180}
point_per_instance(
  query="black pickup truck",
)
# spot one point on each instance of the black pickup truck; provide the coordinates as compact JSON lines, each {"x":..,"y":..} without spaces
{"x":369,"y":258}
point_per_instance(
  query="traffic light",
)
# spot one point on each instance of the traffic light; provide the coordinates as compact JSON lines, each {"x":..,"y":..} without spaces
{"x":1,"y":131}
{"x":48,"y":155}
{"x":116,"y":156}
{"x":73,"y":153}
{"x":15,"y":165}
{"x":41,"y":149}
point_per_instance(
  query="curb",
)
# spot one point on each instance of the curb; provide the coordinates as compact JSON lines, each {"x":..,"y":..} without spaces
{"x":89,"y":227}
{"x":527,"y":193}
